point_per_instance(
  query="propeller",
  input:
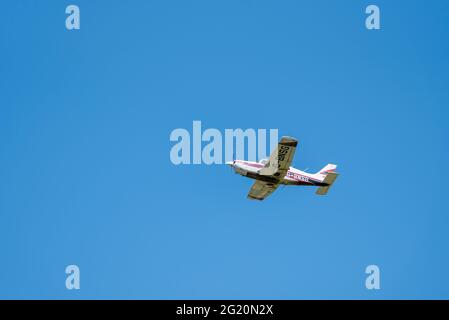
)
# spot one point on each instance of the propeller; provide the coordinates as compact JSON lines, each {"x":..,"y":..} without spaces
{"x":233,"y":161}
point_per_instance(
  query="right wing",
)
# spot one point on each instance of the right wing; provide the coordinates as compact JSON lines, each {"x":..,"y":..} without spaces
{"x":281,"y":158}
{"x":261,"y":189}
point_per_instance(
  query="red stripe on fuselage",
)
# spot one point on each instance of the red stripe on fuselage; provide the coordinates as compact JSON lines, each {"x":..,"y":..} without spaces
{"x":258,"y":165}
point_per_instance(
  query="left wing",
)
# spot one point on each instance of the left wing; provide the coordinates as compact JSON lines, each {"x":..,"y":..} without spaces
{"x":261,"y":189}
{"x":281,"y":158}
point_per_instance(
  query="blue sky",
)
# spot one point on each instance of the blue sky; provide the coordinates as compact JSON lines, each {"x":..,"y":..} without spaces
{"x":86,"y":177}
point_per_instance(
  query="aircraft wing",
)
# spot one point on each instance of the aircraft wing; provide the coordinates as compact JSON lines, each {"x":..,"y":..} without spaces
{"x":281,"y":158}
{"x":261,"y":189}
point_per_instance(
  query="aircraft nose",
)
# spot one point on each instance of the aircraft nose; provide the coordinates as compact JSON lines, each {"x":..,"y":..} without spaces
{"x":230,"y":163}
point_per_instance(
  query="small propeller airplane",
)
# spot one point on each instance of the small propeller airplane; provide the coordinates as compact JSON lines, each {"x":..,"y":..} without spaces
{"x":272,"y":172}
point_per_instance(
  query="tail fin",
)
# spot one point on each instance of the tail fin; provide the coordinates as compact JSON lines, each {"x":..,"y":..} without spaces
{"x":328,"y":169}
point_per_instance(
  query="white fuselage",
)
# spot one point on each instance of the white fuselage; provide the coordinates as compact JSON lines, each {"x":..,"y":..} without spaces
{"x":293,"y":177}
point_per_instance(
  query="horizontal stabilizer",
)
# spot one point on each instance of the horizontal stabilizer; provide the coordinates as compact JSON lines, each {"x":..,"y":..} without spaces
{"x":330,"y":179}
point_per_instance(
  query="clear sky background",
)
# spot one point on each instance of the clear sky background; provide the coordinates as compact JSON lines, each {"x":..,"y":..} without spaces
{"x":86,"y":177}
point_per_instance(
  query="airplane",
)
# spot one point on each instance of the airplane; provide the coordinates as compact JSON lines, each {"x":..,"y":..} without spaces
{"x":271,"y":173}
